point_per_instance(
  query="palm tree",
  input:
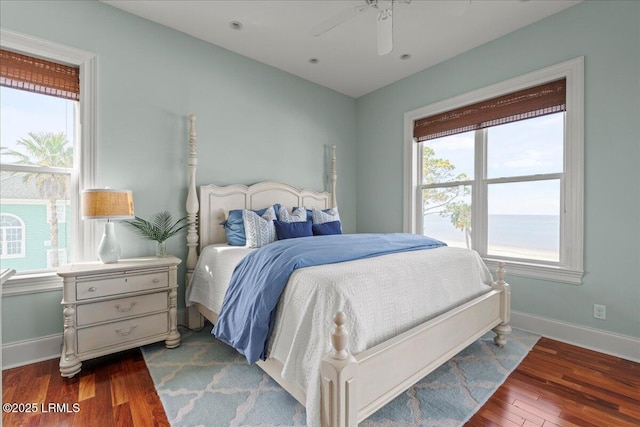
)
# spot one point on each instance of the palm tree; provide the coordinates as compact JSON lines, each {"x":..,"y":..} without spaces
{"x":46,"y":149}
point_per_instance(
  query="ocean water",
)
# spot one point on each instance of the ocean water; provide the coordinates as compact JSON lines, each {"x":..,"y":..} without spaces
{"x":531,"y":236}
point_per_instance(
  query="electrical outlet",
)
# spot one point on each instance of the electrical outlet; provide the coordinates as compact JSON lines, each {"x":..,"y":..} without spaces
{"x":600,"y":311}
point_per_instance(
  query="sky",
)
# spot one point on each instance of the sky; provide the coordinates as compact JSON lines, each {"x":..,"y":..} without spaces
{"x":22,"y":112}
{"x":527,"y":147}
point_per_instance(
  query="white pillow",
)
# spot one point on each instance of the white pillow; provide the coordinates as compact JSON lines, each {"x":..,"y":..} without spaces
{"x":259,"y":231}
{"x":297,"y":215}
{"x":327,"y":215}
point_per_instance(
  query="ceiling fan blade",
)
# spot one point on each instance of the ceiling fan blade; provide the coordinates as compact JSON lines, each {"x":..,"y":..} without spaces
{"x":340,"y":18}
{"x":385,"y":31}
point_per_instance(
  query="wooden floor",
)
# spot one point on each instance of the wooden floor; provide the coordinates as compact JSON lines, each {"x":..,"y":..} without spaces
{"x":114,"y":390}
{"x":556,"y":384}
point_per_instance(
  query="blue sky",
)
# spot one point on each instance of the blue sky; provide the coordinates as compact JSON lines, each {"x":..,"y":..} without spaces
{"x":22,"y":112}
{"x":527,"y":147}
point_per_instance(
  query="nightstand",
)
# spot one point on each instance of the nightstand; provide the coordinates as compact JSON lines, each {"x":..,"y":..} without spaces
{"x":113,"y":307}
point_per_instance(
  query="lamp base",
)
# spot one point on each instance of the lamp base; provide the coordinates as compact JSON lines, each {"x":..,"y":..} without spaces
{"x":108,"y":249}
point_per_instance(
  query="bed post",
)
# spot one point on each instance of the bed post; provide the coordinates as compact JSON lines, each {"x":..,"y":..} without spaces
{"x":194,"y":319}
{"x":338,"y":372}
{"x":333,"y":177}
{"x":503,"y":328}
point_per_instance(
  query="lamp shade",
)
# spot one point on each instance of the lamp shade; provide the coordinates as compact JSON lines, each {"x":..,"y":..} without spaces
{"x":107,"y":203}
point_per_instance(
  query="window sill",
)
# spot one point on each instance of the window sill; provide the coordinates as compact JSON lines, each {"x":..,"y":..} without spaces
{"x":538,"y":271}
{"x":31,"y":284}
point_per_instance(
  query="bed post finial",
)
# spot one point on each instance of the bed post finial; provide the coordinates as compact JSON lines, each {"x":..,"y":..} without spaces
{"x":338,"y":372}
{"x":503,"y":329}
{"x":333,"y":177}
{"x":194,"y":319}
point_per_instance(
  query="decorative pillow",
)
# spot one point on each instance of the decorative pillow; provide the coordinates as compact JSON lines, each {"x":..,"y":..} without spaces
{"x":291,"y":230}
{"x":324,"y":229}
{"x":297,"y":215}
{"x":234,"y":225}
{"x":327,"y":215}
{"x":259,"y":229}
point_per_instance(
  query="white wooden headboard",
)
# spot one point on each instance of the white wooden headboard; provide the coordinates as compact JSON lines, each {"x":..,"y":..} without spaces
{"x":206,"y":209}
{"x":216,"y":202}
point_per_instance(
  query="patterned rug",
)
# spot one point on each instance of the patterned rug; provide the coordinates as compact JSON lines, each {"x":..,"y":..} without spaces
{"x":206,"y":383}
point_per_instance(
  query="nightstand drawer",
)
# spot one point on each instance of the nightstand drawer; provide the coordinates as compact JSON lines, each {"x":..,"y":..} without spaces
{"x":116,"y":333}
{"x":120,"y":285}
{"x":119,"y":308}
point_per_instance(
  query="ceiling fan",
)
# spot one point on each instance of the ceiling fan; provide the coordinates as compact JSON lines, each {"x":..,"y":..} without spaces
{"x":384,"y":21}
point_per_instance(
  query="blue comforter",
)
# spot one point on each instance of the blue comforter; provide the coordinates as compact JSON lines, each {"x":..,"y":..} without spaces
{"x":248,"y":310}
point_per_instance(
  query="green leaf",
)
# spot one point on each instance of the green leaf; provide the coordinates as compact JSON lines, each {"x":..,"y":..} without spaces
{"x":159,"y":228}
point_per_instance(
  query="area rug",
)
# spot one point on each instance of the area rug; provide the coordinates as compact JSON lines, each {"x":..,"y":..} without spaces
{"x":206,"y":383}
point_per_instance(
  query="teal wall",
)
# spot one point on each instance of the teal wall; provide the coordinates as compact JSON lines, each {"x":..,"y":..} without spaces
{"x":607,"y":34}
{"x":254,"y":123}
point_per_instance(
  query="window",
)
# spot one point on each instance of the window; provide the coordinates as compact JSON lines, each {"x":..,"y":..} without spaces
{"x":61,"y":212}
{"x":61,"y":259}
{"x":11,"y":237}
{"x":47,"y":94}
{"x":509,"y":184}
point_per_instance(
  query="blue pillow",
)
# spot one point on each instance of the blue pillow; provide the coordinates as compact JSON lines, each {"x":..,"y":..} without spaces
{"x":234,"y":225}
{"x":326,"y":228}
{"x":291,"y":230}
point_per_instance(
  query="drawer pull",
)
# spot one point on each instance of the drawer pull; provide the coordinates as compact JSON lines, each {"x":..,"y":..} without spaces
{"x":125,"y":333}
{"x":156,"y":280}
{"x":93,"y":289}
{"x":125,"y":309}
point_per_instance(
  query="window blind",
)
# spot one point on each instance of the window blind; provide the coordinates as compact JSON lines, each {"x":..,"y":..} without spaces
{"x":25,"y":72}
{"x":524,"y":104}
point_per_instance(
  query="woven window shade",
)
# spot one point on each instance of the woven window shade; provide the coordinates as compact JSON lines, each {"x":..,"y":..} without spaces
{"x":37,"y":75}
{"x":547,"y":98}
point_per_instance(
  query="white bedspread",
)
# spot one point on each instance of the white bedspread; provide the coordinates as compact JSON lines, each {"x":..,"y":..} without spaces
{"x":212,"y":274}
{"x":381,"y":297}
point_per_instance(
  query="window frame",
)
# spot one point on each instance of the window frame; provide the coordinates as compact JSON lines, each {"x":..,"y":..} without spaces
{"x":570,"y":268}
{"x":83,"y":235}
{"x":5,"y":254}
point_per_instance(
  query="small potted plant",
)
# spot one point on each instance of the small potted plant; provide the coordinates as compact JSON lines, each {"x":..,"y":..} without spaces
{"x":160,"y":228}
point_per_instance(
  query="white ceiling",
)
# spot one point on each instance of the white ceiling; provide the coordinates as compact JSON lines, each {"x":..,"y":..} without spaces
{"x":278,"y":33}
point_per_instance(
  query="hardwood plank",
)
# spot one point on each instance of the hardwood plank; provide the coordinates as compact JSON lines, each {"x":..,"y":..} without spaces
{"x":558,"y":384}
{"x":87,"y":387}
{"x":528,"y":416}
{"x":122,"y":415}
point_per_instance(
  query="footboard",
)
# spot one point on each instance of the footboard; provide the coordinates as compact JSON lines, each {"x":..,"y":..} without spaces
{"x":354,"y":387}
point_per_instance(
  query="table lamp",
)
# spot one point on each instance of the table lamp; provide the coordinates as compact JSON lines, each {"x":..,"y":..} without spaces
{"x":109,"y":204}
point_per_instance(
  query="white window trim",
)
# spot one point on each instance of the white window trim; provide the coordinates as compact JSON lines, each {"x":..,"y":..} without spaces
{"x":572,"y":239}
{"x":84,"y":234}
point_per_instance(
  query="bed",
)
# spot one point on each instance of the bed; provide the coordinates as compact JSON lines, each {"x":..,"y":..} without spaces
{"x":351,"y":378}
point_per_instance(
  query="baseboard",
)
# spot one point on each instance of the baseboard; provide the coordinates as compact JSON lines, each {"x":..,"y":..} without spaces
{"x":25,"y":352}
{"x":622,"y":346}
{"x":22,"y":353}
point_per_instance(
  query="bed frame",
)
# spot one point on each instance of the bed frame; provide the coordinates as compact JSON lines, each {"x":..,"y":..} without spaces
{"x":353,"y":386}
